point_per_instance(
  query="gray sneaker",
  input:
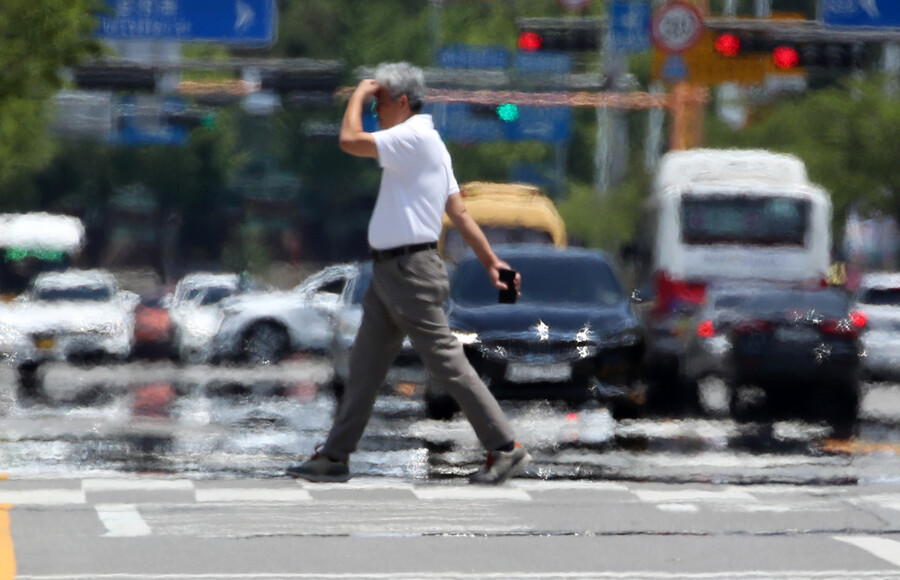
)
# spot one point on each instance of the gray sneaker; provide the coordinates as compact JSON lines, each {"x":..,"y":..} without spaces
{"x":321,"y":469}
{"x":501,"y":465}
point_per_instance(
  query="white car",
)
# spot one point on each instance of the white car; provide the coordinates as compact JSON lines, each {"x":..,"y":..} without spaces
{"x":265,"y":328}
{"x":878,"y":297}
{"x":195,"y":314}
{"x":74,"y":316}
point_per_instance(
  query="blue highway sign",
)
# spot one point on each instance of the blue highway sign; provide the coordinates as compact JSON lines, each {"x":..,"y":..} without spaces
{"x":471,"y":56}
{"x":861,"y":13}
{"x":630,"y":28}
{"x":239,"y":22}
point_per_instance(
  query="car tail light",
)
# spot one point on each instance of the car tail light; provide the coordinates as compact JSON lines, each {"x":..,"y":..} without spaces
{"x":751,"y":326}
{"x":706,"y":329}
{"x":859,"y":318}
{"x":844,"y":327}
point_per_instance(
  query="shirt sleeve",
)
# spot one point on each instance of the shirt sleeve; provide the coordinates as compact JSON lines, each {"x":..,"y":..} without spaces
{"x":392,"y":145}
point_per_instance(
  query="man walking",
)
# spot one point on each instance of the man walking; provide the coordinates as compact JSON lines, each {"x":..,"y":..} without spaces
{"x":409,"y":281}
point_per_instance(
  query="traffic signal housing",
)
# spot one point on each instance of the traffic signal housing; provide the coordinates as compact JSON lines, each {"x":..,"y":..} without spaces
{"x":115,"y":77}
{"x":789,"y":53}
{"x":560,"y":34}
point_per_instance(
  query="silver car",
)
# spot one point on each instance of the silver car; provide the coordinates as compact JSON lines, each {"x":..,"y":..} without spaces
{"x":268,"y":327}
{"x":195,"y":314}
{"x":878,"y":300}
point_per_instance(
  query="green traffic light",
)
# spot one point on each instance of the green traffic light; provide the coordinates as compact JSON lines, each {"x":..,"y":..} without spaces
{"x":208,"y":120}
{"x":508,"y":112}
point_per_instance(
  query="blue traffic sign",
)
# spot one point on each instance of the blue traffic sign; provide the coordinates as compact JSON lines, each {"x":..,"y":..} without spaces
{"x":239,"y":22}
{"x":630,"y":28}
{"x":861,"y":13}
{"x":456,"y":122}
{"x":472,"y":56}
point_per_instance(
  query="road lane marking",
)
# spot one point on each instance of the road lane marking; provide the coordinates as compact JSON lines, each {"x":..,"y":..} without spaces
{"x":116,"y":484}
{"x":122,"y":520}
{"x":227,"y":494}
{"x":7,"y":553}
{"x":471,"y":493}
{"x":884,"y":548}
{"x":692,"y":495}
{"x":42,"y":496}
{"x":678,"y":507}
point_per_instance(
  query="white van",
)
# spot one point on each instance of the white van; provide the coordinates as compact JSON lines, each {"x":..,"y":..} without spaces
{"x":732,"y":215}
{"x":721,"y":216}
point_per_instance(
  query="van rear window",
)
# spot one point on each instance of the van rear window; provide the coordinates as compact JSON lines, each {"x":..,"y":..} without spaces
{"x":744,"y":220}
{"x":455,"y":246}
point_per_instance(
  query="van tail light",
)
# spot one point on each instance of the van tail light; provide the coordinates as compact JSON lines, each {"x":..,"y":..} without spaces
{"x":845,"y":327}
{"x":752,"y":326}
{"x":706,"y":329}
{"x":672,"y":292}
{"x":859,"y":318}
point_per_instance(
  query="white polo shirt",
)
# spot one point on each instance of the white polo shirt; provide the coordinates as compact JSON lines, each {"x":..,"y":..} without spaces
{"x":415,"y":184}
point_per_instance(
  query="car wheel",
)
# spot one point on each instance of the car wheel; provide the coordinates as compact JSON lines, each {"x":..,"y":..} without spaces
{"x":265,"y":343}
{"x":439,"y":405}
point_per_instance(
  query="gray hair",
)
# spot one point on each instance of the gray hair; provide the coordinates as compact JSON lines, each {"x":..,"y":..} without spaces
{"x":402,"y":78}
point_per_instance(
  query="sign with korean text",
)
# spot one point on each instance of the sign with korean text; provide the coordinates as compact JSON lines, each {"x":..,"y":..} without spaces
{"x":239,"y":22}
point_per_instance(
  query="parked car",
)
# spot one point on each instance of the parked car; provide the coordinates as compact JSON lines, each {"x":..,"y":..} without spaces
{"x":77,"y":316}
{"x":878,"y":296}
{"x":407,"y":373}
{"x":267,"y":327}
{"x":802,"y":348}
{"x":194,"y":312}
{"x":152,"y":324}
{"x":571,"y":335}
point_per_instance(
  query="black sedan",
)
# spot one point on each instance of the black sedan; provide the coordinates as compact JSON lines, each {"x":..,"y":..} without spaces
{"x":571,"y":335}
{"x":800,"y":346}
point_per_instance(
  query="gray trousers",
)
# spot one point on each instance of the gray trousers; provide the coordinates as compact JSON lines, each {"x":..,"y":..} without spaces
{"x":405,"y":298}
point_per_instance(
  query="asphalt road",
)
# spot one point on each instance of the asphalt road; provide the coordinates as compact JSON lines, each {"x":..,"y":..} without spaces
{"x":151,"y":471}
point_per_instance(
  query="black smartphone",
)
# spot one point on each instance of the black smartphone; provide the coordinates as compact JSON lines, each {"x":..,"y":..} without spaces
{"x":508,"y":296}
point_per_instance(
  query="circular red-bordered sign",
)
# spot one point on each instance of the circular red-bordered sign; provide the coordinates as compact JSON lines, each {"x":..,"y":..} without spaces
{"x":676,"y":26}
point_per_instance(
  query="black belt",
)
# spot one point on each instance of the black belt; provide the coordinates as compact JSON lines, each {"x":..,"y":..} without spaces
{"x":382,"y":255}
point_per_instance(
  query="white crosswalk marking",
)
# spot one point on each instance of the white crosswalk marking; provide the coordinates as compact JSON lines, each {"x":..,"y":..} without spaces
{"x":224,"y":494}
{"x":122,"y":484}
{"x":884,"y":548}
{"x":122,"y":521}
{"x":42,"y":496}
{"x":471,"y":493}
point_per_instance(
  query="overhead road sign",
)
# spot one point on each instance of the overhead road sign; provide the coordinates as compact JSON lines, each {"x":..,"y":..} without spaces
{"x":473,"y":56}
{"x":676,"y":26}
{"x":629,"y":25}
{"x":236,"y":22}
{"x":861,"y":13}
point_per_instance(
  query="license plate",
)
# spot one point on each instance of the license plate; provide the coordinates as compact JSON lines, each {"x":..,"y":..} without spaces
{"x":44,"y":343}
{"x":796,"y":334}
{"x":532,"y":372}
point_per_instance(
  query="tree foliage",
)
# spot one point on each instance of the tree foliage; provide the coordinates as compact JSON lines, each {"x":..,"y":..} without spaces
{"x":37,"y":39}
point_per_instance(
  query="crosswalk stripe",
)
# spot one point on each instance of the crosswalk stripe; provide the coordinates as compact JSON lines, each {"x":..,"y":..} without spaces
{"x":226,"y":494}
{"x":122,"y":521}
{"x":117,"y":484}
{"x":471,"y":493}
{"x":884,"y":548}
{"x":42,"y":496}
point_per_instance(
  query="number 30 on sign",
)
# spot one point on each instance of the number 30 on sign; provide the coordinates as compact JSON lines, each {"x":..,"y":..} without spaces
{"x":676,"y":26}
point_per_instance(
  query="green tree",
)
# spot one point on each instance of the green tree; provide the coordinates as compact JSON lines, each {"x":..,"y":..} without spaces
{"x":38,"y":40}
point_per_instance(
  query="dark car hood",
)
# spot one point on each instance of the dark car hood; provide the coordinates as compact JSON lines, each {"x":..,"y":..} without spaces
{"x":560,"y":322}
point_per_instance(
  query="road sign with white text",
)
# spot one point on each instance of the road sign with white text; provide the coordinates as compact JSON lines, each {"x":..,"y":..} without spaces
{"x":861,"y":13}
{"x":239,"y":22}
{"x":473,"y":56}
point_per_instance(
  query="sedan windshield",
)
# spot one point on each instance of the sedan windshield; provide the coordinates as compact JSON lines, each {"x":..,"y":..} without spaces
{"x":881,"y":296}
{"x":545,"y":280}
{"x":75,"y":293}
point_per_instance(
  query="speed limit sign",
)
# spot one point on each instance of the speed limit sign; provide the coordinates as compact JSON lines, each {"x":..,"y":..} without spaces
{"x":676,"y":26}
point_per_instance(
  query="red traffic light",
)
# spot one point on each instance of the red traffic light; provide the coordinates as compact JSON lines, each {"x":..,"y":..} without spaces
{"x":785,"y":57}
{"x":728,"y":45}
{"x":530,"y":41}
